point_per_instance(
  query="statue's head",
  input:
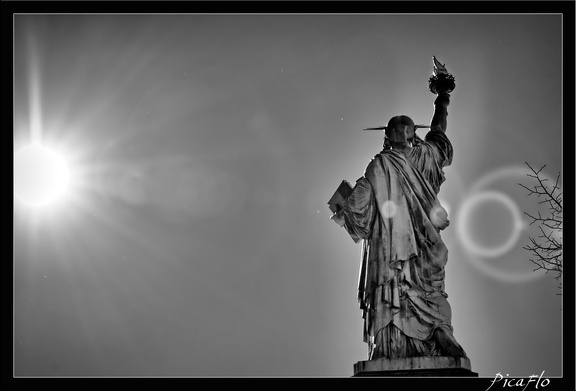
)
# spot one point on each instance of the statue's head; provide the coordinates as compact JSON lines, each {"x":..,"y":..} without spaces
{"x":400,"y":131}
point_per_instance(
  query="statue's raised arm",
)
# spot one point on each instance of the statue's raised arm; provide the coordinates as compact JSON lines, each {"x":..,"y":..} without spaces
{"x":441,"y":83}
{"x":439,"y":118}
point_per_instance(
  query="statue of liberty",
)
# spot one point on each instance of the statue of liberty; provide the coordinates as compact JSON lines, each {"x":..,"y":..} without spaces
{"x":394,"y":211}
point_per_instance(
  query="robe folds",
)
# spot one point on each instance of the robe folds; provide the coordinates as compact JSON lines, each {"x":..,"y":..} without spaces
{"x":394,"y":211}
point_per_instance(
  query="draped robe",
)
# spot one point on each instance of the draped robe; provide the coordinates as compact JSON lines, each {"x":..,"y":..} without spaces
{"x":395,"y":212}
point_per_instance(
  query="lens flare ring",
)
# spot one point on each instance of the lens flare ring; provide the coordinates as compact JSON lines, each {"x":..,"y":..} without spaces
{"x":476,"y":253}
{"x":464,"y":220}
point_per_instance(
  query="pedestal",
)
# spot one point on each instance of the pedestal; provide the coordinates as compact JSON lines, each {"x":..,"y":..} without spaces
{"x":415,"y":366}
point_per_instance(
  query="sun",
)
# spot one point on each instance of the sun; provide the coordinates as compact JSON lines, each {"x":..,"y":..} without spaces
{"x":41,"y":175}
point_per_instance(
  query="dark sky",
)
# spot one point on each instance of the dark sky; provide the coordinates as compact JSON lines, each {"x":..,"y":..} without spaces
{"x":196,"y":239}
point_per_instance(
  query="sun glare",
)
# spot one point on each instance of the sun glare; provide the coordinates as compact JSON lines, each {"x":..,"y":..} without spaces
{"x":40,"y":175}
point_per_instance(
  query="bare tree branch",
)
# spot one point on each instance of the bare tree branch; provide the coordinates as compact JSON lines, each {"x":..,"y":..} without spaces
{"x":546,"y":249}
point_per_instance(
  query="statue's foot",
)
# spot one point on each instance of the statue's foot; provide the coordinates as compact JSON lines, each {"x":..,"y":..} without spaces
{"x":447,"y":343}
